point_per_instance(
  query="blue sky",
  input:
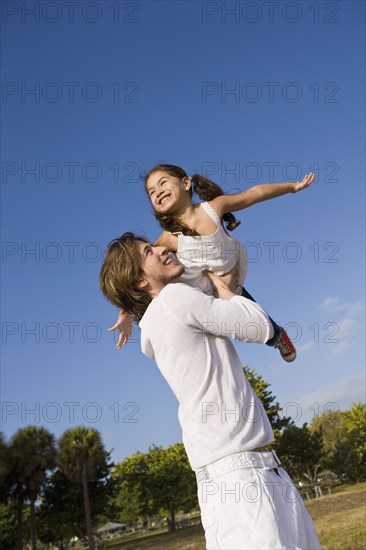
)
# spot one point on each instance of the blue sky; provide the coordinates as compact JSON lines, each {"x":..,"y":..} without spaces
{"x":264,"y":93}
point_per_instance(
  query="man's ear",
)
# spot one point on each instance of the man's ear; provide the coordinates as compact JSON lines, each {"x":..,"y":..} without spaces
{"x":143,"y":283}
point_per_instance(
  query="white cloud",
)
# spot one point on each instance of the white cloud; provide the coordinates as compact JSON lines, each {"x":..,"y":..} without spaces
{"x":339,"y":396}
{"x":305,"y":347}
{"x":332,"y":304}
{"x":345,"y":327}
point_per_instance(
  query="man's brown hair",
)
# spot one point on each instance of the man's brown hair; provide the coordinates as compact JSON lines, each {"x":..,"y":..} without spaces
{"x":121,"y":274}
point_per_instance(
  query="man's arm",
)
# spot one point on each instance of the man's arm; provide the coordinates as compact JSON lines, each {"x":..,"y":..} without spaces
{"x":168,"y":240}
{"x":227,"y":315}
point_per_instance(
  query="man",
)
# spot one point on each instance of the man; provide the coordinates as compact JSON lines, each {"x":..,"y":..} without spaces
{"x":247,"y":500}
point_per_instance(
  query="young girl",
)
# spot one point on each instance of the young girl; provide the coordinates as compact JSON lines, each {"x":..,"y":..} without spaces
{"x":195,"y":232}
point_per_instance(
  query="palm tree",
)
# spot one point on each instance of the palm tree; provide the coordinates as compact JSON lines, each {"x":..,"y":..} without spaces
{"x":11,"y":490}
{"x":81,"y":453}
{"x":4,"y":459}
{"x":32,"y":452}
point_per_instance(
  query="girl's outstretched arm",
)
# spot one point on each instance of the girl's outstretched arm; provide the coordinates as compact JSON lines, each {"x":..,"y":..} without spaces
{"x":257,"y":193}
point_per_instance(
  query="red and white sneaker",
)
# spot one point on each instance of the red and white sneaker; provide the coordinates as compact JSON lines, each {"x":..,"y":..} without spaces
{"x":286,"y":347}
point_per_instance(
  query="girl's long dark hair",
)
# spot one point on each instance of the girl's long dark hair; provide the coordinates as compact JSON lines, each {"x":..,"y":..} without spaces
{"x":203,"y":187}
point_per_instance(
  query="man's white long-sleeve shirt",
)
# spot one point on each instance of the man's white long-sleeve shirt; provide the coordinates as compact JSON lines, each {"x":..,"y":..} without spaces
{"x":186,"y":332}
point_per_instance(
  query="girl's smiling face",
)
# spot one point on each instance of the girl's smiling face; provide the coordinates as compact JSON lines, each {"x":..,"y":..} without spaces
{"x":167,"y":193}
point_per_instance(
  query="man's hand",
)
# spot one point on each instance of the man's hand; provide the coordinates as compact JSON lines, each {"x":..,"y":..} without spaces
{"x":299,"y":185}
{"x":231,"y":279}
{"x":220,"y":286}
{"x":124,"y":324}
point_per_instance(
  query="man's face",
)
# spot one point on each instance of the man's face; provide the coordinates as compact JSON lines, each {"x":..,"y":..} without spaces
{"x":159,"y":267}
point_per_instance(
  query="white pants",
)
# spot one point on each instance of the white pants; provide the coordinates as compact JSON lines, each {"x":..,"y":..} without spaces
{"x":255,"y":508}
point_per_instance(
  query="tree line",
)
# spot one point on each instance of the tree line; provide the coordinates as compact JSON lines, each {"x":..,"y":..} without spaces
{"x":51,"y":491}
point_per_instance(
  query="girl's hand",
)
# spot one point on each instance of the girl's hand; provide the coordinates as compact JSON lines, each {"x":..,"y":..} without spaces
{"x":220,"y":286}
{"x":124,"y":323}
{"x":299,"y":185}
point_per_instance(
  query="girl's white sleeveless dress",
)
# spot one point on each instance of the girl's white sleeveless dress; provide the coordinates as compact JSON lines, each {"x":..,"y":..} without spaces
{"x":218,"y":253}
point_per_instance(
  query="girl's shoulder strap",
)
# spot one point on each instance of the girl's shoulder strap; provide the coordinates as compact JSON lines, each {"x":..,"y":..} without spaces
{"x":211,"y":212}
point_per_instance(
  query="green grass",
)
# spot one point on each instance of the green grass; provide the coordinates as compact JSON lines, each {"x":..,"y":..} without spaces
{"x":340,"y":520}
{"x":190,"y":538}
